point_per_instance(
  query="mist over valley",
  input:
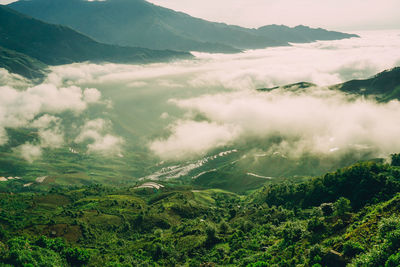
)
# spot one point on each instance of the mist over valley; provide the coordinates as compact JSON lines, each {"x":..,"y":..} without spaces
{"x":136,"y":135}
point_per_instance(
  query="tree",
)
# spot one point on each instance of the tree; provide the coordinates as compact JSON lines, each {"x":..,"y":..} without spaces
{"x":211,"y":236}
{"x":351,"y":249}
{"x":393,"y":261}
{"x":223,"y":228}
{"x":342,"y":206}
{"x":395,"y":159}
{"x":77,"y":256}
{"x":327,"y":209}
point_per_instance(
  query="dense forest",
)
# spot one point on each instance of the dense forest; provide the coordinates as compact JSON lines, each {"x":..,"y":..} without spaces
{"x":349,"y":217}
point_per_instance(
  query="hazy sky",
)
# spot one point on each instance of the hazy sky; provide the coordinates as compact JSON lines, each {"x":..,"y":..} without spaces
{"x":336,"y":14}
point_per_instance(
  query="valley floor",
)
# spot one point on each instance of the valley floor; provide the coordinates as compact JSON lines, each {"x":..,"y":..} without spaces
{"x":349,"y":217}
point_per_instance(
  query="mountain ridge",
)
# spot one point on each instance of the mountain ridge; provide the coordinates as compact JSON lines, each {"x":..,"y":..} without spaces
{"x":384,"y":86}
{"x":56,"y":44}
{"x":140,"y":23}
{"x":21,"y":64}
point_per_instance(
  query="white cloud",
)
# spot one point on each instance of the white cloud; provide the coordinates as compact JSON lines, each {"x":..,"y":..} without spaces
{"x":18,"y":107}
{"x":45,"y":121}
{"x":95,"y":134}
{"x":137,"y":84}
{"x":91,"y":95}
{"x":51,"y":138}
{"x":29,"y":152}
{"x":40,"y":107}
{"x":53,"y":99}
{"x":3,"y":136}
{"x":107,"y":144}
{"x":316,"y":120}
{"x":164,"y":115}
{"x":220,"y":88}
{"x":324,"y":63}
{"x":91,"y":130}
{"x":191,"y":138}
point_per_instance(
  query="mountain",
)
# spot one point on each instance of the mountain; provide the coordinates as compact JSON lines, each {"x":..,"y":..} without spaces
{"x":54,"y":44}
{"x":385,"y":85}
{"x":300,"y":34}
{"x":292,"y":87}
{"x":139,"y":23}
{"x":21,"y":64}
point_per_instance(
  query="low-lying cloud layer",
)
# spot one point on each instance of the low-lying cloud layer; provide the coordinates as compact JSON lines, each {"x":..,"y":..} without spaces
{"x":316,"y":120}
{"x":191,"y":137}
{"x":40,"y":109}
{"x":19,"y":108}
{"x":323,"y":63}
{"x":187,"y":108}
{"x":95,"y":134}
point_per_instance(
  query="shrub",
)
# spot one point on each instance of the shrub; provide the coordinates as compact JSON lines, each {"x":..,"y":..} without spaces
{"x":393,"y":261}
{"x":223,"y":228}
{"x":388,"y":225}
{"x":395,"y":159}
{"x":375,"y":257}
{"x":292,"y":232}
{"x":342,"y":206}
{"x":315,"y":225}
{"x":258,"y":264}
{"x":211,"y":236}
{"x":77,"y":256}
{"x":316,"y":254}
{"x":351,"y":249}
{"x":393,"y":239}
{"x":327,"y":209}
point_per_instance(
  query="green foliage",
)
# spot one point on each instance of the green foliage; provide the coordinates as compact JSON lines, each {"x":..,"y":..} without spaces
{"x":393,"y":260}
{"x":327,"y":209}
{"x":351,"y":249}
{"x":224,"y":228}
{"x":395,"y":159}
{"x":56,"y":244}
{"x":292,"y":232}
{"x":77,"y":256}
{"x":361,"y":183}
{"x":388,"y":225}
{"x":316,"y":225}
{"x":375,"y":257}
{"x":258,"y":264}
{"x":211,"y":236}
{"x":22,"y":253}
{"x":114,"y":226}
{"x":341,"y":206}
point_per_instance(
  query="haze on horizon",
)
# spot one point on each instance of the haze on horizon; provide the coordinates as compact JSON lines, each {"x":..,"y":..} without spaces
{"x":338,"y":14}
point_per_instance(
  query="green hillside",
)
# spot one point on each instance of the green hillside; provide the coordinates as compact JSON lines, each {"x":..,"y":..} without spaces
{"x":349,"y":217}
{"x":21,"y":64}
{"x":55,"y":45}
{"x":140,"y":23}
{"x":385,"y":85}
